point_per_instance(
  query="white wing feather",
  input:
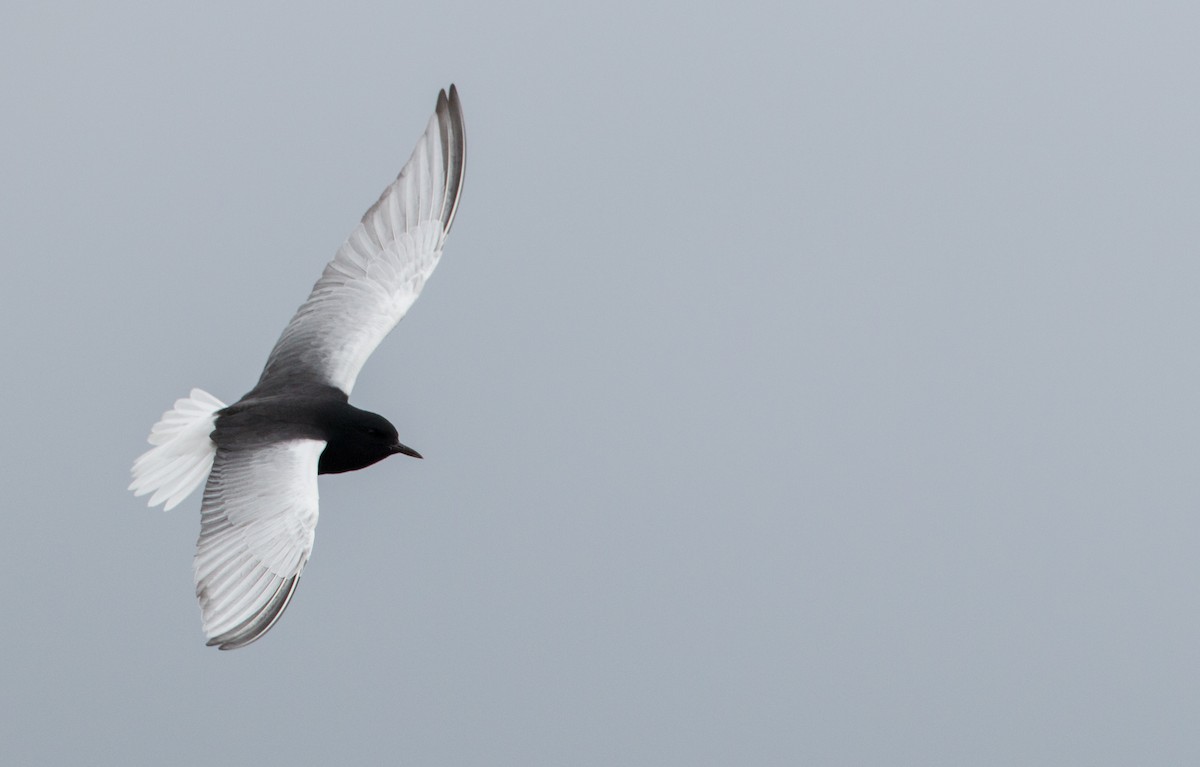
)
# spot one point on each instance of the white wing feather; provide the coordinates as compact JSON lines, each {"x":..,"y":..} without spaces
{"x":381,"y":268}
{"x":256,"y":533}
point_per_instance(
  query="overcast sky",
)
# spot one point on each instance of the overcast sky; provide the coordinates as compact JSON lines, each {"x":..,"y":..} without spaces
{"x":801,"y":384}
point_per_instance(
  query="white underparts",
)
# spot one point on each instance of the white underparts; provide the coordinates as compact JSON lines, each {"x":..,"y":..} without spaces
{"x":183,"y":452}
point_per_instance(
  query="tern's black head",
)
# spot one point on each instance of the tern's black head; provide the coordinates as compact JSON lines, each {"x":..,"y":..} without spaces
{"x":356,"y":439}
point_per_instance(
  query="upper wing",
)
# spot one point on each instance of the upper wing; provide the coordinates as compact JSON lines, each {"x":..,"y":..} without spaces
{"x":380,"y":269}
{"x":256,"y":532}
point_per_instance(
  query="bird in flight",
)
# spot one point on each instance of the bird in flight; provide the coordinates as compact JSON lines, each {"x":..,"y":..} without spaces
{"x":263,"y":453}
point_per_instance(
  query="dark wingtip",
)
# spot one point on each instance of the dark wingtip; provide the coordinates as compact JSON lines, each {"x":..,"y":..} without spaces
{"x":454,"y":152}
{"x":256,"y":625}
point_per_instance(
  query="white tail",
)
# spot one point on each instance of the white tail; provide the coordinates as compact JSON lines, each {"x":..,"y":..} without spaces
{"x":182,"y":454}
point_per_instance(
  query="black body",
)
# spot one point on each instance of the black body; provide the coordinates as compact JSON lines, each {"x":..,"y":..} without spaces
{"x":355,"y":438}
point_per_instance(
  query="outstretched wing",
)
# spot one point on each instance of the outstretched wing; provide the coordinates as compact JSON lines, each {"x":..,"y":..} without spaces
{"x":380,"y":269}
{"x":256,"y":533}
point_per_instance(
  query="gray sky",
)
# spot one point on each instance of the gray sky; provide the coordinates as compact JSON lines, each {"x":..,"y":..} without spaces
{"x":801,"y":384}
